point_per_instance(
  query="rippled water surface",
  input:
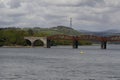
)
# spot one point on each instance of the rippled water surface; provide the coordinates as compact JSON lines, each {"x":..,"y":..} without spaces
{"x":60,"y":63}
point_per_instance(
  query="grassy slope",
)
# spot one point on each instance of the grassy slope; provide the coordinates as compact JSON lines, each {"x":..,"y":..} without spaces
{"x":56,"y":30}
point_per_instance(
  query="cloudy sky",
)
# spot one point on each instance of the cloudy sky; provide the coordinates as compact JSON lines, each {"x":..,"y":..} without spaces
{"x":94,"y":15}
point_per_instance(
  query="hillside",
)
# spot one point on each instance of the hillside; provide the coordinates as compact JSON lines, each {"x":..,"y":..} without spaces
{"x":65,"y":30}
{"x":55,"y":30}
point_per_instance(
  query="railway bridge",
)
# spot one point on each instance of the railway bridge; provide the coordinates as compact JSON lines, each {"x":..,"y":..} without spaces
{"x":75,"y":39}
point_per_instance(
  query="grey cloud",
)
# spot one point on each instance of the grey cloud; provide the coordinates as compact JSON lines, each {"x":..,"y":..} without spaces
{"x":80,"y":3}
{"x":86,"y":14}
{"x":16,"y":15}
{"x":4,"y":22}
{"x":2,"y":5}
{"x":14,"y":3}
{"x":91,"y":3}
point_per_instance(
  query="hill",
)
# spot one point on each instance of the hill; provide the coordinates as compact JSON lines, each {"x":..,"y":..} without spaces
{"x":55,"y":30}
{"x":65,"y":30}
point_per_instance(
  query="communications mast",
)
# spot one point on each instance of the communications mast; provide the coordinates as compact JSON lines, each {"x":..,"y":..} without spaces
{"x":70,"y":22}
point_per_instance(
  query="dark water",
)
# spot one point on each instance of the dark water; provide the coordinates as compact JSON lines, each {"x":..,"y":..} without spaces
{"x":60,"y":63}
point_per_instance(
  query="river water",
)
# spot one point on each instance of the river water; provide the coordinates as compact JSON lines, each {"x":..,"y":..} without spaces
{"x":60,"y":63}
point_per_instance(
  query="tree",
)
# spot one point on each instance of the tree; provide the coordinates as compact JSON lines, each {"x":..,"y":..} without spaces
{"x":30,"y":32}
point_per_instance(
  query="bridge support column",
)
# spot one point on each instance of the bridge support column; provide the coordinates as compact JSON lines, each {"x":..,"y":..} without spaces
{"x":103,"y":45}
{"x":32,"y":44}
{"x":48,"y":43}
{"x":75,"y":44}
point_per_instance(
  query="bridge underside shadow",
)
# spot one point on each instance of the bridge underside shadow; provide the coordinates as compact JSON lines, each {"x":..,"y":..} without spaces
{"x":35,"y":43}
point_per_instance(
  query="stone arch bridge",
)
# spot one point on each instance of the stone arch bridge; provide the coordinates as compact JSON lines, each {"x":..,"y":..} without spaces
{"x":74,"y":39}
{"x":33,"y":39}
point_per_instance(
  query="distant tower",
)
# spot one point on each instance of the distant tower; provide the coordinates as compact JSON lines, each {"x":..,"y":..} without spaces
{"x":70,"y":22}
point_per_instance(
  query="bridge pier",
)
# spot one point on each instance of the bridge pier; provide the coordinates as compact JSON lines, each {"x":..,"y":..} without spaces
{"x":104,"y":45}
{"x":75,"y":44}
{"x":32,"y":44}
{"x":48,"y":43}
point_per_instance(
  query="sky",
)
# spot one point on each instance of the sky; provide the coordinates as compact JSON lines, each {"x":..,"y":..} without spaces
{"x":93,"y":15}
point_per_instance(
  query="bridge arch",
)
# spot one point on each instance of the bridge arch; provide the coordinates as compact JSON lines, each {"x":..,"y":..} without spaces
{"x":38,"y":42}
{"x":34,"y":39}
{"x":28,"y":42}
